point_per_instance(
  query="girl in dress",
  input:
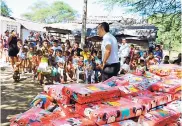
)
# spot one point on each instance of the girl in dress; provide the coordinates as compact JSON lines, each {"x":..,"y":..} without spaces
{"x":151,"y":60}
{"x":22,"y":55}
{"x":43,"y":68}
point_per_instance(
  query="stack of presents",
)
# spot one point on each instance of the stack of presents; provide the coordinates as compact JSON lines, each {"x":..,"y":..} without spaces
{"x":152,"y":99}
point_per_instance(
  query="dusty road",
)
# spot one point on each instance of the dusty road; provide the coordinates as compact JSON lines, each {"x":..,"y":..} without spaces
{"x":15,"y":97}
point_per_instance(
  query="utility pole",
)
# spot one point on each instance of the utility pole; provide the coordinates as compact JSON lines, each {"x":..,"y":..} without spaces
{"x":84,"y":21}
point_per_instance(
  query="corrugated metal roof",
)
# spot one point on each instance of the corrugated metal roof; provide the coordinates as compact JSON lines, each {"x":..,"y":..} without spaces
{"x":32,"y":25}
{"x":3,"y":18}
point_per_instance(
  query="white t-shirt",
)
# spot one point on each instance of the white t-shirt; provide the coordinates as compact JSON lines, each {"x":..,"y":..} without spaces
{"x":110,"y":39}
{"x":60,"y":59}
{"x":55,"y":48}
{"x":124,"y":50}
{"x":125,"y":67}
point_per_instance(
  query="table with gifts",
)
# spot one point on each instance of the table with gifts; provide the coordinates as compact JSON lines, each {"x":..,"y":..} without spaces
{"x":152,"y":99}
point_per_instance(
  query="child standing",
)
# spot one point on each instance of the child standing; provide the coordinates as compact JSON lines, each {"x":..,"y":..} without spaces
{"x":125,"y":68}
{"x":30,"y":54}
{"x":89,"y":73}
{"x":61,"y":75}
{"x":141,"y":68}
{"x":22,"y":56}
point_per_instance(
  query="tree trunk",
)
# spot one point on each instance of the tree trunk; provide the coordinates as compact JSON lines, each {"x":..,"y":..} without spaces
{"x":84,"y":18}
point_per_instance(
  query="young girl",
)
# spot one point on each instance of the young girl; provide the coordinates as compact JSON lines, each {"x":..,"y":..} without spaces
{"x":36,"y":59}
{"x":30,"y":54}
{"x":70,"y":71}
{"x":43,"y":68}
{"x":151,"y":60}
{"x":22,"y":55}
{"x":125,"y":68}
{"x":75,"y":59}
{"x":141,"y":68}
{"x":61,"y":75}
{"x":134,"y":62}
{"x":89,"y":73}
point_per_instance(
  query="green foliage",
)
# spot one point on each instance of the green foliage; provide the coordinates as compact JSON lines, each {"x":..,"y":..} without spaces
{"x":146,"y":7}
{"x":165,"y":14}
{"x":57,"y":12}
{"x":169,"y":29}
{"x":4,"y":9}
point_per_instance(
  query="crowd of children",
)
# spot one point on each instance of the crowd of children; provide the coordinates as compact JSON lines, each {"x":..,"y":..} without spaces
{"x":59,"y":62}
{"x":139,"y":61}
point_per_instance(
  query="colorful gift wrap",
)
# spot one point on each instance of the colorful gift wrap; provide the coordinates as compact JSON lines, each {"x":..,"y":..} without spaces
{"x":177,"y":95}
{"x":159,"y":117}
{"x":123,"y":123}
{"x":131,"y":78}
{"x":55,"y":91}
{"x":110,"y":111}
{"x":30,"y":116}
{"x":176,"y":105}
{"x":128,"y":90}
{"x":43,"y":101}
{"x":90,"y":92}
{"x":166,"y":69}
{"x":168,"y":85}
{"x":60,"y":113}
{"x":116,"y":81}
{"x":76,"y":120}
{"x":162,"y":98}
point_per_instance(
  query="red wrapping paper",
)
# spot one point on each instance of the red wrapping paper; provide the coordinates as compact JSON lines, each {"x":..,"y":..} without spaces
{"x":55,"y":91}
{"x":110,"y":111}
{"x":168,"y":85}
{"x":159,"y":117}
{"x":90,"y":93}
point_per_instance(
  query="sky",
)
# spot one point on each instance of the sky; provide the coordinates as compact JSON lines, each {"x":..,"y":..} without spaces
{"x":19,"y":7}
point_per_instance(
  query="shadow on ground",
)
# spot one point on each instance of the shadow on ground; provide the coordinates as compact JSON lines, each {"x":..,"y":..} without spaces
{"x":15,"y":97}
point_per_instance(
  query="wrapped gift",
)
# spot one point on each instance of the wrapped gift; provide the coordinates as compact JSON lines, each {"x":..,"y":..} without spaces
{"x":60,"y":112}
{"x":30,"y":116}
{"x":55,"y":91}
{"x":116,"y":81}
{"x":168,"y":85}
{"x":128,"y":90}
{"x":177,"y":95}
{"x":76,"y":120}
{"x":131,"y":78}
{"x":165,"y":69}
{"x":43,"y":101}
{"x":162,"y":98}
{"x":110,"y":111}
{"x":90,"y":92}
{"x":159,"y":117}
{"x":123,"y":123}
{"x":176,"y":105}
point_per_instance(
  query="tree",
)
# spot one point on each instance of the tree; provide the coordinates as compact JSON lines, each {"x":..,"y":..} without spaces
{"x":169,"y":32}
{"x":57,"y":12}
{"x":5,"y":10}
{"x":165,"y":14}
{"x":146,"y":7}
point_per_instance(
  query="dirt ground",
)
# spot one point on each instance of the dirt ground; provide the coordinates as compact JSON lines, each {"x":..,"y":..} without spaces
{"x":16,"y":97}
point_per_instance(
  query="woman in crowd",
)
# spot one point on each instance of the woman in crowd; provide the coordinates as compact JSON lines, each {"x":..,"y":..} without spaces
{"x":13,"y":48}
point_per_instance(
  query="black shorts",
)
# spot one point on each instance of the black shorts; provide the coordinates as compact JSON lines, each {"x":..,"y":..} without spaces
{"x":110,"y":70}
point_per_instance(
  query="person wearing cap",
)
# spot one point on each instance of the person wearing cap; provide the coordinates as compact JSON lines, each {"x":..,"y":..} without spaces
{"x":124,"y":51}
{"x":109,"y":47}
